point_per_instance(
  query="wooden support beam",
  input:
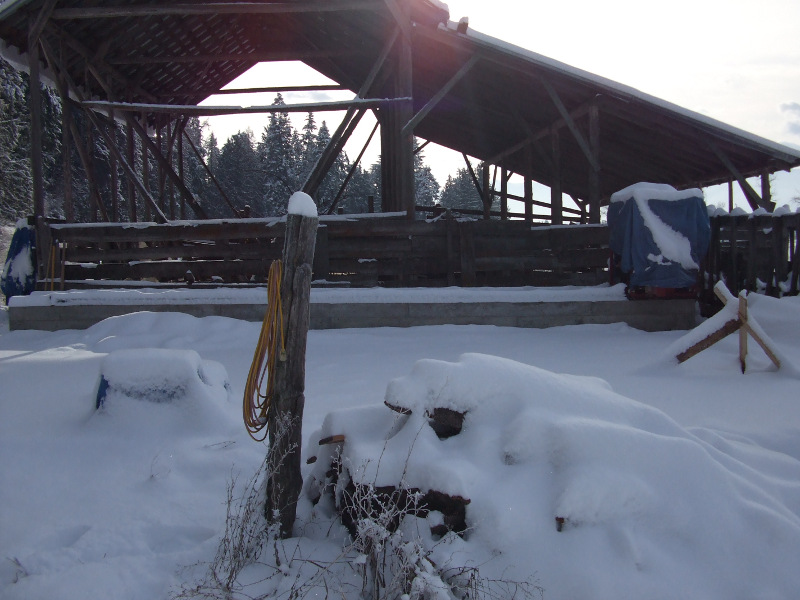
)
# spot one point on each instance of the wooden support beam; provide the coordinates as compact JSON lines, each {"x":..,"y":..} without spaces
{"x":488,"y":193}
{"x":250,"y":57}
{"x":556,"y":195}
{"x":129,"y":170}
{"x":351,"y":172}
{"x":281,"y":89}
{"x":528,"y":200}
{"x":112,"y":167}
{"x":210,"y":8}
{"x":753,"y":199}
{"x":334,"y":147}
{"x":472,"y":175}
{"x":211,"y":175}
{"x":192,"y":110}
{"x":504,"y":196}
{"x":190,"y":199}
{"x":438,"y":96}
{"x":571,"y":125}
{"x":130,"y":185}
{"x":401,"y":18}
{"x":421,"y":147}
{"x":766,"y":189}
{"x":594,"y":170}
{"x":98,"y":66}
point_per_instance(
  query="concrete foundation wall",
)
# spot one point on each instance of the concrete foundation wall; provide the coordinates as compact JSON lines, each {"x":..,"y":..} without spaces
{"x":648,"y":315}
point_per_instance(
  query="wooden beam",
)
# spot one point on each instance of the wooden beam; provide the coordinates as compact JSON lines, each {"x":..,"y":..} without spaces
{"x":211,"y":175}
{"x":129,"y":171}
{"x":332,"y":150}
{"x":472,"y":175}
{"x":753,"y":199}
{"x":570,"y":123}
{"x":351,"y":172}
{"x":348,"y":124}
{"x":533,"y":138}
{"x":488,"y":192}
{"x":210,"y":111}
{"x":250,"y":57}
{"x":190,"y":199}
{"x":556,"y":195}
{"x":431,"y":104}
{"x":281,"y":89}
{"x":36,"y":27}
{"x":211,"y":8}
{"x":98,"y":65}
{"x":528,"y":200}
{"x":401,"y":18}
{"x":594,"y":171}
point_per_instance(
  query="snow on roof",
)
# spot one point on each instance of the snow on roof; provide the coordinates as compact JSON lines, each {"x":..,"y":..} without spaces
{"x":620,"y":89}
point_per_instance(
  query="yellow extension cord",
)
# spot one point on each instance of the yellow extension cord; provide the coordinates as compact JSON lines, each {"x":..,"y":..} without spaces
{"x":257,"y":395}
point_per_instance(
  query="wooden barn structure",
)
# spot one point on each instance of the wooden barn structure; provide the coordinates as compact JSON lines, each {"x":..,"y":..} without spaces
{"x":145,"y":65}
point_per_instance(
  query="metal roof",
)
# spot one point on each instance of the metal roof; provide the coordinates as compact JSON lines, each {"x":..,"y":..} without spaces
{"x":506,"y":106}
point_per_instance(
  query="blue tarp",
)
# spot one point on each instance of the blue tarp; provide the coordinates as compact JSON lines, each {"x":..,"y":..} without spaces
{"x":659,"y":234}
{"x":19,"y":271}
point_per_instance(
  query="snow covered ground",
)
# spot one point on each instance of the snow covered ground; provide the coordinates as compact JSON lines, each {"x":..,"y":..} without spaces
{"x":674,"y":481}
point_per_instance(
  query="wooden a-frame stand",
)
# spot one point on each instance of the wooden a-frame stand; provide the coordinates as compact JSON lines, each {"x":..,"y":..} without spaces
{"x":741,"y":322}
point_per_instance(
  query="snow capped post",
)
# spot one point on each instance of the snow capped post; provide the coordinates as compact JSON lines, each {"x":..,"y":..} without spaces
{"x":286,"y":413}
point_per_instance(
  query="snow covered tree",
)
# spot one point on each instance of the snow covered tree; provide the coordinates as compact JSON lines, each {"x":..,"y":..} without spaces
{"x":460,"y":192}
{"x":15,"y":184}
{"x":426,"y":188}
{"x":279,"y":164}
{"x":240,"y":172}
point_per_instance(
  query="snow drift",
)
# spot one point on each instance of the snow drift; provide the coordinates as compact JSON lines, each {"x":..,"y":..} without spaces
{"x":605,"y":497}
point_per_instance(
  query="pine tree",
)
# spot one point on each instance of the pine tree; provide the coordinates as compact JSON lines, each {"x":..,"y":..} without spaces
{"x":277,"y":154}
{"x":240,"y":172}
{"x":426,"y":188}
{"x":15,"y":185}
{"x":460,"y":192}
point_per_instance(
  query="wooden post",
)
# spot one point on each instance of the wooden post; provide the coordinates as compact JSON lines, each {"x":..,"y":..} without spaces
{"x":528,"y":200}
{"x":556,"y":197}
{"x":112,"y":167}
{"x":504,"y":195}
{"x":286,"y":412}
{"x":145,"y":162}
{"x":594,"y":171}
{"x":131,"y":187}
{"x":487,"y":198}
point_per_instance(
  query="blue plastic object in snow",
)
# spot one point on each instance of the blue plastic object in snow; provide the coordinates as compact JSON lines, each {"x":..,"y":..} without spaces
{"x":659,"y":233}
{"x":19,"y":272}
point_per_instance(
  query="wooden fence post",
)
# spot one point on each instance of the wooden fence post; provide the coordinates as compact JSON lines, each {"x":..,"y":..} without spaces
{"x":286,"y":412}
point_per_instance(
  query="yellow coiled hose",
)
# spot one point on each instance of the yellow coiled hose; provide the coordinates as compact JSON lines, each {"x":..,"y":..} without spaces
{"x":257,"y":391}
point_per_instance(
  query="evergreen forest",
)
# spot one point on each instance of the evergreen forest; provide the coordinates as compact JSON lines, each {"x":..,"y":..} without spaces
{"x":248,"y":174}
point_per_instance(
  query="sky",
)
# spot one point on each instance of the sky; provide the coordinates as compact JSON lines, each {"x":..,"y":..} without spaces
{"x":735,"y":61}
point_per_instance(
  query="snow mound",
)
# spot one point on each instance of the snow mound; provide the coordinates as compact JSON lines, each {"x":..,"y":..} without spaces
{"x":605,"y":497}
{"x":196,"y":389}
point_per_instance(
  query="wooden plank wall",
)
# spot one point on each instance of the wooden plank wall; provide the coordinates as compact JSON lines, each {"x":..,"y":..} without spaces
{"x":753,"y":252}
{"x":358,"y":252}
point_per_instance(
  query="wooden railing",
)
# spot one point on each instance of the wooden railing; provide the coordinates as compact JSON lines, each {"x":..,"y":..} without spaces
{"x":753,"y":252}
{"x":375,"y":250}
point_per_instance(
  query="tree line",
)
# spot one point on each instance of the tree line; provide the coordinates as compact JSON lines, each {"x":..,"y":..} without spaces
{"x":254,"y":174}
